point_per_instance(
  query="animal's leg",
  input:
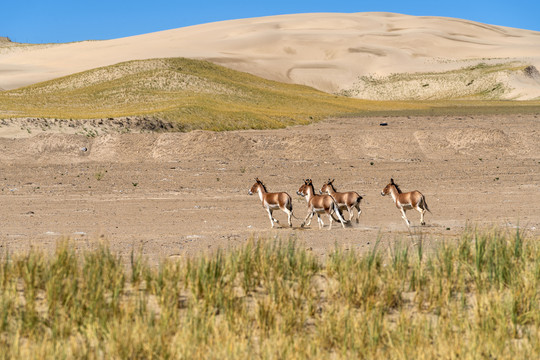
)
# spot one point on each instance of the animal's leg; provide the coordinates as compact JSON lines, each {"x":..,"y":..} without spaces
{"x":422,"y":212}
{"x":270,"y":216}
{"x":351,"y":212}
{"x":357,"y":206}
{"x":331,"y":221}
{"x":319,"y":220}
{"x":309,"y":216}
{"x":339,"y":215}
{"x":405,"y":217}
{"x":289,"y":215}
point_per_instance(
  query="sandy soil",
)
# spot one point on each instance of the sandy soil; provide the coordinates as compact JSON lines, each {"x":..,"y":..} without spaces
{"x":179,"y":194}
{"x":327,"y":51}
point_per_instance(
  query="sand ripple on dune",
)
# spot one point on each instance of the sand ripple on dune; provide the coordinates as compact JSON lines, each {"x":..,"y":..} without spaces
{"x":328,"y":51}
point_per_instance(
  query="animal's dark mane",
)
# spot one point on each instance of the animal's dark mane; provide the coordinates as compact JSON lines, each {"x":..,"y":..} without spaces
{"x":331,"y":184}
{"x":261,"y":183}
{"x":395,"y":185}
{"x":310,"y":184}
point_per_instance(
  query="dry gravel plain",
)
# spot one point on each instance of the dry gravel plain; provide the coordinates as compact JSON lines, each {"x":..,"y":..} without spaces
{"x":181,"y":194}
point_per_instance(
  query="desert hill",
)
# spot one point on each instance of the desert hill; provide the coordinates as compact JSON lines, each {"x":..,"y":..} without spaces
{"x":179,"y":93}
{"x":363,"y":55}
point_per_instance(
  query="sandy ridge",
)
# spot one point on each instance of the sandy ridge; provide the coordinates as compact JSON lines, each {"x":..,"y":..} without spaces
{"x":328,"y":51}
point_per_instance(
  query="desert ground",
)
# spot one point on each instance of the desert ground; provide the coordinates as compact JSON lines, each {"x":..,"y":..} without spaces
{"x":172,"y":195}
{"x":179,"y":194}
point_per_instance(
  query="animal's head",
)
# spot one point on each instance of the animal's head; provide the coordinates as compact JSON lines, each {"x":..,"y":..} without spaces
{"x":303,"y":191}
{"x":327,"y":187}
{"x":388,"y":187}
{"x":255,"y":186}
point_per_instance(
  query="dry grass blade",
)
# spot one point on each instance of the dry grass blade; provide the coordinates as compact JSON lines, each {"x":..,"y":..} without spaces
{"x":271,"y":299}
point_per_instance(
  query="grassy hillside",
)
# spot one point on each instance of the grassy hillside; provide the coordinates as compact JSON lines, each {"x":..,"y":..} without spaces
{"x":481,"y":81}
{"x":195,"y":94}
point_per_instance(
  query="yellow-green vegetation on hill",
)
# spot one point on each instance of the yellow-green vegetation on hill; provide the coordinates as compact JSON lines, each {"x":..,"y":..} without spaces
{"x":481,"y":81}
{"x":192,"y":94}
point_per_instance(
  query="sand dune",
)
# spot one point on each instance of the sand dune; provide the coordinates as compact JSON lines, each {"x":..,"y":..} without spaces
{"x":329,"y":51}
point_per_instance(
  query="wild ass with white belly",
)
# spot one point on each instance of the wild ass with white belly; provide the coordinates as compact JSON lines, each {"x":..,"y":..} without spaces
{"x":406,"y":201}
{"x":273,"y":201}
{"x":319,"y":204}
{"x":346,"y":200}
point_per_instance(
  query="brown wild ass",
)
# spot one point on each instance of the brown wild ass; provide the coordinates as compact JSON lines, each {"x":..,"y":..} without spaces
{"x":406,"y":201}
{"x":346,"y":200}
{"x":319,"y":204}
{"x":273,"y":201}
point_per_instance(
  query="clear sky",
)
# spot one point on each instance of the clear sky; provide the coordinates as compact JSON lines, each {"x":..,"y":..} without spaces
{"x":42,"y":21}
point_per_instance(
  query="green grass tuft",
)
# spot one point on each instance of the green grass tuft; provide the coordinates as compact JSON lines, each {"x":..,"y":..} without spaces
{"x":474,"y":296}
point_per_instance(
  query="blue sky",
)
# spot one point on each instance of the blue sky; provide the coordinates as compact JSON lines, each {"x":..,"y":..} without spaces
{"x":33,"y":21}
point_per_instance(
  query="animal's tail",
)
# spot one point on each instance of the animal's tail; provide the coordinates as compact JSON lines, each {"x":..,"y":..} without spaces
{"x":289,"y":207}
{"x":425,"y":204}
{"x":359,"y":199}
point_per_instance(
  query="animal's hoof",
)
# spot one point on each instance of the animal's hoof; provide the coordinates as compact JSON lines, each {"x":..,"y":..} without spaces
{"x":302,"y":225}
{"x":423,"y":223}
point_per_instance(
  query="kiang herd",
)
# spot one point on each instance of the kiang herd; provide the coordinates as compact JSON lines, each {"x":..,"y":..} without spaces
{"x":331,"y":202}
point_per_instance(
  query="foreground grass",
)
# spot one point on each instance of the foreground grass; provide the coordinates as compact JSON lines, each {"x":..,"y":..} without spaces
{"x":477,"y":297}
